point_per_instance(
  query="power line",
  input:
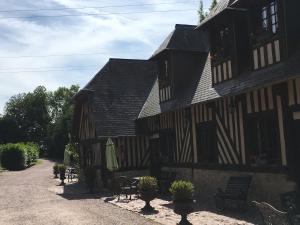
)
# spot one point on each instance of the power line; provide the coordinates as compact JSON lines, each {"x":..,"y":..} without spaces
{"x":43,"y":71}
{"x":63,"y":55}
{"x":94,"y":7}
{"x":51,"y":67}
{"x":97,"y":14}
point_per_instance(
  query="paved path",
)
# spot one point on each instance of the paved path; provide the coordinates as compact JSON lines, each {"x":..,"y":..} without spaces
{"x":32,"y":197}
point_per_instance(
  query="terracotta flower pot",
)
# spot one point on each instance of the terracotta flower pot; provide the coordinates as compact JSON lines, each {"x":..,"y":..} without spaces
{"x":148,"y":196}
{"x":183,"y":208}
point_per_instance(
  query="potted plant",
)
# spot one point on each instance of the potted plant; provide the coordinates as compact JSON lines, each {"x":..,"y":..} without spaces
{"x":62,"y":173}
{"x":90,"y":177}
{"x":182,"y":192}
{"x":147,"y":188}
{"x":56,"y":170}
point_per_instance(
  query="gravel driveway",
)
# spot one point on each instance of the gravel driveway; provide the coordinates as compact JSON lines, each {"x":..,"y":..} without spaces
{"x":33,"y":197}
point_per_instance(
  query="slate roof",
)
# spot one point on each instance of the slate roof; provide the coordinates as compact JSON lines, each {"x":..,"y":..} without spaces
{"x":120,"y":89}
{"x":184,"y":38}
{"x":200,"y":88}
{"x":221,"y":6}
{"x":151,"y":106}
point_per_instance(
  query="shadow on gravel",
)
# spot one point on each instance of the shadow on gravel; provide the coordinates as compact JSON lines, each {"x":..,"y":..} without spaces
{"x":77,"y":191}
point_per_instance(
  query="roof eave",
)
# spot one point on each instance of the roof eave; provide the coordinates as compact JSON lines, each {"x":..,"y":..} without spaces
{"x":206,"y":23}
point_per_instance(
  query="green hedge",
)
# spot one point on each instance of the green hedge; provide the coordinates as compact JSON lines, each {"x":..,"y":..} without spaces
{"x":18,"y":156}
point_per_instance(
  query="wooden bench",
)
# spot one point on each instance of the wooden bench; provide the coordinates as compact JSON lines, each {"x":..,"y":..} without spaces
{"x":272,"y":216}
{"x":124,"y":185}
{"x":235,"y":194}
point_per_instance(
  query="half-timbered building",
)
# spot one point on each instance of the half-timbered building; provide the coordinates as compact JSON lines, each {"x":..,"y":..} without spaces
{"x":224,"y":100}
{"x":237,"y":110}
{"x":107,"y":108}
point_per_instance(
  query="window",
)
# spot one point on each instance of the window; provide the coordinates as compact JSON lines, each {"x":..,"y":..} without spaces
{"x":221,"y":43}
{"x":164,"y":81}
{"x":263,"y":141}
{"x":206,"y":142}
{"x":163,"y":73}
{"x":167,"y":145}
{"x":269,"y":17}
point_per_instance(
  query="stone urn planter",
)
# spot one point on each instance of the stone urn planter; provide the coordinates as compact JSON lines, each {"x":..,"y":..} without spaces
{"x":182,"y":192}
{"x":62,"y":174}
{"x":147,"y":188}
{"x":183,"y":208}
{"x":147,"y":197}
{"x":56,"y":170}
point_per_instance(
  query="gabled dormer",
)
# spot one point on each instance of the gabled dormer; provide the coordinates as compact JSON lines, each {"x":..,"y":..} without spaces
{"x":178,"y":58}
{"x":266,"y":32}
{"x":165,"y":78}
{"x":227,"y":27}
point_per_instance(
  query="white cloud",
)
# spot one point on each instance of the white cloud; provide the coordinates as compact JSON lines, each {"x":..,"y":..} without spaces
{"x":118,"y":35}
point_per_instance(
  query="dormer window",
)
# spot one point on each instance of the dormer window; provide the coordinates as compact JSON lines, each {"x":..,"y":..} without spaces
{"x":269,"y":16}
{"x":265,"y":41}
{"x":221,"y":55}
{"x":164,"y":81}
{"x":221,"y":44}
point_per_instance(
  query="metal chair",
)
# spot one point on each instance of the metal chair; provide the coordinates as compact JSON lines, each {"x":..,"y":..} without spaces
{"x":272,"y":216}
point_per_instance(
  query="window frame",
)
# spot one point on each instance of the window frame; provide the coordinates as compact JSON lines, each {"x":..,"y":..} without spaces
{"x":256,"y":158}
{"x":210,"y":153}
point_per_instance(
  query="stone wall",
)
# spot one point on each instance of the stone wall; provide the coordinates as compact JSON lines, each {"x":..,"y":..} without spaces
{"x":264,"y":187}
{"x":133,"y":173}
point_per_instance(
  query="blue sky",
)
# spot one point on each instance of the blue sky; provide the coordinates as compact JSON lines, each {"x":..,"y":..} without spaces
{"x":71,"y":49}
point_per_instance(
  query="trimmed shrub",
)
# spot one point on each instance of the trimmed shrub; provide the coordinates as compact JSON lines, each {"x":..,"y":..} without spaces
{"x":18,"y":156}
{"x":182,"y":190}
{"x":147,"y":183}
{"x":56,"y":169}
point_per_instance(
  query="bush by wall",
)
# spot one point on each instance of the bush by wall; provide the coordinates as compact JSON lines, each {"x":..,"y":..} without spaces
{"x":18,"y":156}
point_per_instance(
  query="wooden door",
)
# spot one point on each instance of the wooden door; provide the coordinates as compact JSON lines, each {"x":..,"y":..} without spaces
{"x":155,"y":161}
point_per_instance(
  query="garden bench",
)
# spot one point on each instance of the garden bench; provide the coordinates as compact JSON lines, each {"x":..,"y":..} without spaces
{"x":272,"y":216}
{"x":235,"y":193}
{"x":126,"y":186}
{"x":166,"y":179}
{"x":290,"y":204}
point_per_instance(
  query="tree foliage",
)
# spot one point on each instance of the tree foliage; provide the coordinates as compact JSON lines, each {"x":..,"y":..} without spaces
{"x":29,"y":112}
{"x":213,"y":4}
{"x":39,"y":116}
{"x":202,"y":13}
{"x":61,"y":112}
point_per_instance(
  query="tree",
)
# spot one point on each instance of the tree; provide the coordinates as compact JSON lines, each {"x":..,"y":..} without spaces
{"x":213,"y":4}
{"x":61,"y":112}
{"x":9,"y":131}
{"x":30,"y":113}
{"x":39,"y":116}
{"x":201,"y":12}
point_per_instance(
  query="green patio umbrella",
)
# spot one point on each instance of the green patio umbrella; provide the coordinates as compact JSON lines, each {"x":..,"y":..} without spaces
{"x":111,"y":158}
{"x":67,"y":158}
